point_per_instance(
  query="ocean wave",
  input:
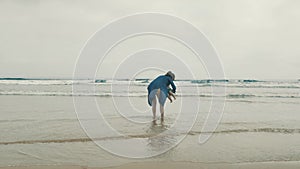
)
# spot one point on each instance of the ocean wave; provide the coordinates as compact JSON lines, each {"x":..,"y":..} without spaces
{"x":72,"y":94}
{"x":254,"y":130}
{"x":46,"y":141}
{"x":209,"y":81}
{"x":72,"y":140}
{"x":240,"y":83}
{"x":38,"y":120}
{"x":143,"y":94}
{"x":257,"y":86}
{"x":241,"y":95}
{"x":238,"y":96}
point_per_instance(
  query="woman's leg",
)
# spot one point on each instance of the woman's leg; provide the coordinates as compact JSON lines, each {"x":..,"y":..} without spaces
{"x":162,"y":111}
{"x":171,"y":94}
{"x":154,"y":107}
{"x":161,"y":106}
{"x":169,"y":97}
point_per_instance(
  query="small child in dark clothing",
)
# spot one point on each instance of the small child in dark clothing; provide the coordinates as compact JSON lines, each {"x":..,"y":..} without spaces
{"x":170,"y":93}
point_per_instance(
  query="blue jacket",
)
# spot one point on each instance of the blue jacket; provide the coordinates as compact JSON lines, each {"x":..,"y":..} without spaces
{"x":161,"y":82}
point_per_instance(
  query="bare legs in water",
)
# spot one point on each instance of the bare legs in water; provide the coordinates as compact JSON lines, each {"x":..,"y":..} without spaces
{"x":162,"y":110}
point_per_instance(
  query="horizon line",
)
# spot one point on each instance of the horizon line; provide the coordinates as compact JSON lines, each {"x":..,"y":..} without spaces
{"x":142,"y":78}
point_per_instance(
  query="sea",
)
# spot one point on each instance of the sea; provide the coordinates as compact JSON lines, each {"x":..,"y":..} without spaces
{"x":40,"y":122}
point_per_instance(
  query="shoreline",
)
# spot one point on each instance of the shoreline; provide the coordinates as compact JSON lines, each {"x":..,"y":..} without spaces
{"x":176,"y":165}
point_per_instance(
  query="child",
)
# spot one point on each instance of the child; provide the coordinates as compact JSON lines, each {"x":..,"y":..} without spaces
{"x":170,"y":93}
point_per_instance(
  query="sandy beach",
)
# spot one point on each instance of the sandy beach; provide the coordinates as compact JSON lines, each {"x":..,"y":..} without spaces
{"x":43,"y":131}
{"x":179,"y":165}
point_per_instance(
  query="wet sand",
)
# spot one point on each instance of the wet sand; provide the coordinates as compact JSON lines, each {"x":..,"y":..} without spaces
{"x":43,"y":132}
{"x":179,"y":165}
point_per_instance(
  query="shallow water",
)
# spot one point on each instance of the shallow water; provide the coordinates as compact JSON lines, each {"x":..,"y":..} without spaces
{"x":39,"y":126}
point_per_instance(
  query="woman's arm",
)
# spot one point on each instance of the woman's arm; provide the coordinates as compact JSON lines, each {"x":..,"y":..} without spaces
{"x":173,"y":85}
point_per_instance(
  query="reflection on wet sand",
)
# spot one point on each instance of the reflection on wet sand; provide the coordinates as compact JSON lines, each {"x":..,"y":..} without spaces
{"x":161,"y":138}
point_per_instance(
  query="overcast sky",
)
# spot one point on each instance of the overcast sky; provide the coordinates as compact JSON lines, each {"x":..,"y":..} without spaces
{"x":256,"y":39}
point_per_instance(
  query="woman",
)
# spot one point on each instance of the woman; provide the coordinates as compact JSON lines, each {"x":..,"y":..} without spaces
{"x":159,"y":87}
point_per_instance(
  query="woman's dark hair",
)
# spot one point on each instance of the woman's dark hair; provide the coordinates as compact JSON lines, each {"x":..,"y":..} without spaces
{"x":170,"y":74}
